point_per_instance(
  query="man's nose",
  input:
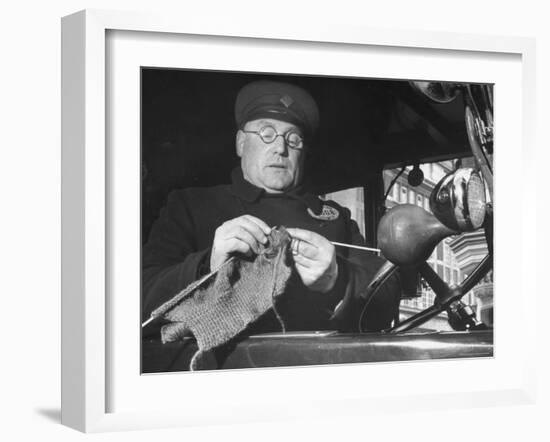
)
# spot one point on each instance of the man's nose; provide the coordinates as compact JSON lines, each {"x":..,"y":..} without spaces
{"x":280,"y":146}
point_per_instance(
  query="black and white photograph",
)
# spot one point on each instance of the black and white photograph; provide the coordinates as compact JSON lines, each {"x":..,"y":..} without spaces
{"x":296,"y":220}
{"x":317,"y":221}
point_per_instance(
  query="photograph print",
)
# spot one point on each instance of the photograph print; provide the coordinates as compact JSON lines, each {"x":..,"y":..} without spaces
{"x":293,"y":220}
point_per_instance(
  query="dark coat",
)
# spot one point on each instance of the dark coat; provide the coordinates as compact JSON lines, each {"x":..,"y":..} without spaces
{"x":178,"y":252}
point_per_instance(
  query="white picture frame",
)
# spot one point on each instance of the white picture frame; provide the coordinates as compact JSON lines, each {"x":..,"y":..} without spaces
{"x":87,"y":207}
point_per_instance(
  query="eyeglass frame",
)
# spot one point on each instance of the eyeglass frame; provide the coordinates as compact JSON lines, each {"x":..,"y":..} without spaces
{"x":277,"y":134}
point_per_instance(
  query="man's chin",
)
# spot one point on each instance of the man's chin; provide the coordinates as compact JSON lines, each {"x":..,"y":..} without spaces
{"x":278,"y":186}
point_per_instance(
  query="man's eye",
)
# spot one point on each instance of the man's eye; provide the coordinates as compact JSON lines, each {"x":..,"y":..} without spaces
{"x":268,"y":133}
{"x":294,"y":139}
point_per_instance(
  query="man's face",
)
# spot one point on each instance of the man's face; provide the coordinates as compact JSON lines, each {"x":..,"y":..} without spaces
{"x":275,"y":166}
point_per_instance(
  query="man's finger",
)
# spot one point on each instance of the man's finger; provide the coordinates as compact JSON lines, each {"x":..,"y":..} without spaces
{"x":304,"y":262}
{"x":304,"y":235}
{"x":245,"y":236}
{"x":244,"y":222}
{"x":261,"y":224}
{"x":304,"y":248}
{"x":240,"y":246}
{"x":252,"y":227}
{"x":302,"y":269}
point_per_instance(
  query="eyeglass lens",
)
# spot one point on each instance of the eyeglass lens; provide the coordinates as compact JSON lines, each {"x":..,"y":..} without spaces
{"x":269,"y":134}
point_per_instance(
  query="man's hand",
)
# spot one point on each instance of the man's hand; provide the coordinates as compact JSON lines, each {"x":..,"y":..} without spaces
{"x":238,"y":235}
{"x":315,"y":259}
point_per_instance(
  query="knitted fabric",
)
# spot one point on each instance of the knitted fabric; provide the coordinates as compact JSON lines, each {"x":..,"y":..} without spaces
{"x":241,"y":292}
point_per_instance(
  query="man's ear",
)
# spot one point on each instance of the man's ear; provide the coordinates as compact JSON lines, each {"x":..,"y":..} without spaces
{"x":239,"y":142}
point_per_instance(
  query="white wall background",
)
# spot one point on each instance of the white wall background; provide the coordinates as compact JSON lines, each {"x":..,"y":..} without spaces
{"x":30,"y":217}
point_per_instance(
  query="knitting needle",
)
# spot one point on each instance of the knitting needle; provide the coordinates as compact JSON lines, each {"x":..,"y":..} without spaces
{"x":352,"y":246}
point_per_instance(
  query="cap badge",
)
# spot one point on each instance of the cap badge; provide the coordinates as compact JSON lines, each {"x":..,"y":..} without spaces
{"x":287,"y":101}
{"x":328,"y":213}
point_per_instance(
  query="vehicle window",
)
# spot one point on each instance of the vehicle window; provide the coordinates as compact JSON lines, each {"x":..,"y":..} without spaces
{"x":353,"y":199}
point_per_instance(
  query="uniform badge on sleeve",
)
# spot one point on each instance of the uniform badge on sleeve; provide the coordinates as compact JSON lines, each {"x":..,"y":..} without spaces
{"x":328,"y":213}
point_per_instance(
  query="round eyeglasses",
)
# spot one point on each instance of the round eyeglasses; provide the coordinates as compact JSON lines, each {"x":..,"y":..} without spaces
{"x":268,"y":134}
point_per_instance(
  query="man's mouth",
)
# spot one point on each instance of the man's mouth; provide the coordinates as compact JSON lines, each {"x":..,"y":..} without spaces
{"x":277,"y":166}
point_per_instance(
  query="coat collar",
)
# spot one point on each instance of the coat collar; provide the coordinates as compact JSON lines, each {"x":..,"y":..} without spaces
{"x":250,"y":193}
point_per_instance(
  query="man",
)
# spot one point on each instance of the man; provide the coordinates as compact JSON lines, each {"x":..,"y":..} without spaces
{"x":201,"y":228}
